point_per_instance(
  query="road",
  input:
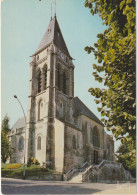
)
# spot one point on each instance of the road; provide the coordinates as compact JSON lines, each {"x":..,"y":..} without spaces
{"x":18,"y":186}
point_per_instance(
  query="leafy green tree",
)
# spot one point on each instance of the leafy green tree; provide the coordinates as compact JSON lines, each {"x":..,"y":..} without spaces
{"x":126,"y":154}
{"x":5,"y":147}
{"x":115,"y":52}
{"x":5,"y":144}
{"x":5,"y":124}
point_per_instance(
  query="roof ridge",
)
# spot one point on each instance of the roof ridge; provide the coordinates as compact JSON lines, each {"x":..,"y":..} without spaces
{"x":17,"y":122}
{"x":89,"y":110}
{"x":85,"y":105}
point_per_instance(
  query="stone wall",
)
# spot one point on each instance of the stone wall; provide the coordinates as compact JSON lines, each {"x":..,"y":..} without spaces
{"x":109,"y":172}
{"x":87,"y":129}
{"x":59,"y":146}
{"x":73,"y":151}
{"x":109,"y":147}
{"x":41,"y":131}
{"x":17,"y":155}
{"x":46,"y":177}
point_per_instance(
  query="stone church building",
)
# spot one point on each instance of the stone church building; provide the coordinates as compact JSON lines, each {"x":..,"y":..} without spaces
{"x":61,"y":132}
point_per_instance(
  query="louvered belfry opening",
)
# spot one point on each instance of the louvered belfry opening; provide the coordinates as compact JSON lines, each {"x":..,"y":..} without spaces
{"x":39,"y":82}
{"x":64,"y":82}
{"x":58,"y":78}
{"x":45,"y":80}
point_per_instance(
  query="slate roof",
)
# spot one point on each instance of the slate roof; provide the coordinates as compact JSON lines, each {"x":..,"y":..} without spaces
{"x":81,"y":108}
{"x":19,"y":124}
{"x":53,"y":34}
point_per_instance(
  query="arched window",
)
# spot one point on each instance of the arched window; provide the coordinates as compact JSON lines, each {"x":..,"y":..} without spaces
{"x":61,"y":105}
{"x":21,"y":143}
{"x":39,"y":82}
{"x":39,"y":143}
{"x":40,"y":110}
{"x":45,"y":76}
{"x":96,"y":139}
{"x":91,"y":136}
{"x":64,"y":83}
{"x":74,"y":142}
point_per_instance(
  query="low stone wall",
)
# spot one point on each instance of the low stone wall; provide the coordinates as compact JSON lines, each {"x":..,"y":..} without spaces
{"x":107,"y":172}
{"x":85,"y":175}
{"x":47,"y":177}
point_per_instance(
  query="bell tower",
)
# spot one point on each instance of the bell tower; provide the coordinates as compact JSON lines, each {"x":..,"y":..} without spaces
{"x":51,"y":87}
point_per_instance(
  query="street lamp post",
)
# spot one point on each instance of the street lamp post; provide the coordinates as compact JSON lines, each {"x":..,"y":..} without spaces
{"x":25,"y":135}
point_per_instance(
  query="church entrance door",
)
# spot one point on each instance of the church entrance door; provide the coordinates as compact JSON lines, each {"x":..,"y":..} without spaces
{"x":95,"y":157}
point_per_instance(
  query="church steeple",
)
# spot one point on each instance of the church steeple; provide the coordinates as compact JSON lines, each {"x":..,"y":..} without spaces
{"x":53,"y":34}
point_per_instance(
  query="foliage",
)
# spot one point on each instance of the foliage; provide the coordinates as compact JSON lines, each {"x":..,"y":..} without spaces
{"x":36,"y":162}
{"x":5,"y":124}
{"x":126,"y":154}
{"x":33,"y":170}
{"x":14,"y":166}
{"x":115,"y":51}
{"x":5,"y":147}
{"x":31,"y":161}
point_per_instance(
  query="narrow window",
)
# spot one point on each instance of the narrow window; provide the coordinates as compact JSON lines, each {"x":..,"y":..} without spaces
{"x":64,"y":83}
{"x":96,"y":139}
{"x":58,"y":79}
{"x":61,"y":105}
{"x":39,"y":143}
{"x":45,"y":73}
{"x":61,"y":110}
{"x":74,"y":142}
{"x":40,"y":110}
{"x":91,"y":136}
{"x":37,"y":57}
{"x":21,"y":143}
{"x":39,"y":82}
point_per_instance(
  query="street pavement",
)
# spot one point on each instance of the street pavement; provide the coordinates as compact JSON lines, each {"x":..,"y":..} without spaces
{"x":18,"y":186}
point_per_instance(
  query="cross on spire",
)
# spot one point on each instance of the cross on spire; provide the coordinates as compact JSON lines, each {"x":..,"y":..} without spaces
{"x":52,"y":2}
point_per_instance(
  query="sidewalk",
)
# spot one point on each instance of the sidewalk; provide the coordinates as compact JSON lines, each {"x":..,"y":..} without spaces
{"x":125,"y":189}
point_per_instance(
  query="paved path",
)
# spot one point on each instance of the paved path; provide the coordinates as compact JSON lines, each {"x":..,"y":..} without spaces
{"x":18,"y":186}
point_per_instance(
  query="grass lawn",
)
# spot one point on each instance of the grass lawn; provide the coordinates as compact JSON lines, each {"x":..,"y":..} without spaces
{"x":33,"y":170}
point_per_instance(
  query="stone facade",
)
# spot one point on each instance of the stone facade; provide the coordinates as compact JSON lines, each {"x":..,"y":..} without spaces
{"x":60,"y":130}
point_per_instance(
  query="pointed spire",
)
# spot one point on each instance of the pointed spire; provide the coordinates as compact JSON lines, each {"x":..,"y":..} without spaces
{"x":53,"y":34}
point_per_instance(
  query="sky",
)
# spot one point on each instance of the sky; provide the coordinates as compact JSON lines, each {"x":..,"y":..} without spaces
{"x":24,"y":23}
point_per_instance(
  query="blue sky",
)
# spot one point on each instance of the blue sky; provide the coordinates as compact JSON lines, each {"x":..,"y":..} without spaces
{"x":24,"y":23}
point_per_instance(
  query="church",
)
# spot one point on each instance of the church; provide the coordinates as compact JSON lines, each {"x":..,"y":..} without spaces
{"x":60,"y":130}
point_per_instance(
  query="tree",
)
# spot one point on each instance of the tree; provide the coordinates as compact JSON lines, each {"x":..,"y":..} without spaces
{"x":126,"y":155}
{"x":5,"y":147}
{"x":5,"y":124}
{"x":5,"y":144}
{"x":115,"y":51}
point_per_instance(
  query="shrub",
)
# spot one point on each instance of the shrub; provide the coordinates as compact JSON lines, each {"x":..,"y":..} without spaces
{"x":32,"y":161}
{"x":14,"y":166}
{"x":29,"y":162}
{"x":36,"y":162}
